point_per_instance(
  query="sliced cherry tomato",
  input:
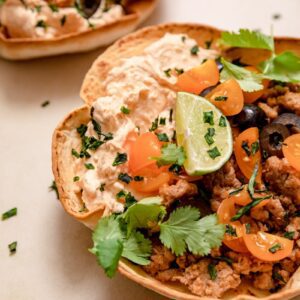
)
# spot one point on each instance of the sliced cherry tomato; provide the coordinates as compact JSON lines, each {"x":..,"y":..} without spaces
{"x":268,"y":247}
{"x":130,"y":140}
{"x":242,"y":198}
{"x":250,"y":97}
{"x":225,"y":212}
{"x":248,"y":139}
{"x":151,"y":184}
{"x":145,"y":146}
{"x":199,"y":78}
{"x":291,"y":150}
{"x":228,"y":97}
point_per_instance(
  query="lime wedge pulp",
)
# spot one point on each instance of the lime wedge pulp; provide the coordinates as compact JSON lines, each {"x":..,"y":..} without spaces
{"x":204,"y":133}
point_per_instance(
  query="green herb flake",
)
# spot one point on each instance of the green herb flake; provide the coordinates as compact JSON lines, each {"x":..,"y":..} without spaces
{"x":246,"y":148}
{"x":221,"y":98}
{"x":53,"y":188}
{"x":254,"y":147}
{"x":208,"y":136}
{"x":171,"y":115}
{"x":125,"y":110}
{"x":179,"y":71}
{"x":214,"y":152}
{"x":230,"y":230}
{"x":277,"y":276}
{"x":212,"y":272}
{"x":82,"y":130}
{"x":41,"y":24}
{"x":75,"y":153}
{"x":183,"y":38}
{"x":162,"y":137}
{"x":167,"y":72}
{"x":45,"y":103}
{"x":222,"y":122}
{"x":275,"y":248}
{"x":228,"y":260}
{"x":102,"y":187}
{"x":10,"y":213}
{"x":162,"y":121}
{"x":138,"y":178}
{"x":125,"y":178}
{"x":208,"y":117}
{"x":175,"y":168}
{"x":76,"y":178}
{"x":289,"y":235}
{"x":13,"y":247}
{"x":248,"y":228}
{"x":154,"y":125}
{"x":53,"y":7}
{"x":63,"y":20}
{"x":195,"y":50}
{"x":38,"y":8}
{"x":89,"y":166}
{"x":208,"y":44}
{"x":120,"y":159}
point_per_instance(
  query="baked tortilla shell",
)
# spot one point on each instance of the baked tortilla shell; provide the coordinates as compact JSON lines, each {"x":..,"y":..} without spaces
{"x":29,"y":48}
{"x":93,"y":88}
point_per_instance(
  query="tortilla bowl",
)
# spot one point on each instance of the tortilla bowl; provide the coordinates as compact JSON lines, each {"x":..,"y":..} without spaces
{"x":93,"y":88}
{"x":26,"y":48}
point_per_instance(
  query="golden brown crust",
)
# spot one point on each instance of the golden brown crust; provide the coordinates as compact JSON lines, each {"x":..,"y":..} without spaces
{"x":92,"y":88}
{"x":22,"y":49}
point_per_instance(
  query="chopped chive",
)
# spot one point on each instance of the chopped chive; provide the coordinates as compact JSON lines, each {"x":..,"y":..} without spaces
{"x":248,"y":228}
{"x":254,"y":147}
{"x":230,"y":230}
{"x":208,"y":117}
{"x":41,"y":24}
{"x":289,"y":235}
{"x":246,"y":148}
{"x":63,"y":20}
{"x":195,"y":50}
{"x":121,"y":158}
{"x":124,"y":177}
{"x":89,"y":166}
{"x":53,"y":187}
{"x":120,"y":194}
{"x":167,"y":72}
{"x":53,"y":7}
{"x":75,"y":153}
{"x":129,"y":200}
{"x":76,"y":178}
{"x":45,"y":103}
{"x":222,"y":122}
{"x":275,"y":248}
{"x":162,"y":137}
{"x":10,"y":213}
{"x":179,"y":71}
{"x":221,"y":98}
{"x":183,"y":38}
{"x":175,"y":168}
{"x":13,"y":247}
{"x":82,"y":130}
{"x":83,"y":208}
{"x":235,"y":192}
{"x":101,"y":187}
{"x":208,"y":44}
{"x":228,"y":260}
{"x":212,"y":272}
{"x":162,"y":121}
{"x":171,"y":115}
{"x":38,"y":8}
{"x":125,"y":110}
{"x":154,"y":125}
{"x":138,"y":178}
{"x":277,"y":276}
{"x":208,"y":138}
{"x":214,"y":152}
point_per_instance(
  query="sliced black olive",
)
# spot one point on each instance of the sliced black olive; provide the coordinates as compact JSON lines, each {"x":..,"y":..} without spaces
{"x":207,"y":90}
{"x":250,"y":116}
{"x":272,"y":137}
{"x":290,"y":120}
{"x":88,"y":7}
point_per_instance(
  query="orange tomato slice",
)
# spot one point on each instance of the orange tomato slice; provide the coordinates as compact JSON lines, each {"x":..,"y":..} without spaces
{"x":250,"y":97}
{"x":268,"y":247}
{"x":199,"y":78}
{"x":228,"y":97}
{"x":247,"y":163}
{"x":291,"y":150}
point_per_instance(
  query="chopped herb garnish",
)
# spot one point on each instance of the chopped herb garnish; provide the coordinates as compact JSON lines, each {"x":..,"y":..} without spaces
{"x":138,"y":178}
{"x":120,"y":194}
{"x":154,"y":125}
{"x":195,"y":50}
{"x":38,"y":8}
{"x":237,"y":191}
{"x":183,"y":38}
{"x":171,"y":115}
{"x":13,"y":247}
{"x":162,"y":121}
{"x":175,"y":168}
{"x":222,"y":122}
{"x":208,"y":138}
{"x":289,"y":235}
{"x":248,"y":228}
{"x":179,"y":71}
{"x":125,"y":110}
{"x":82,"y":130}
{"x":277,"y":276}
{"x":265,"y":154}
{"x":120,"y":159}
{"x":125,"y":177}
{"x":45,"y":103}
{"x":208,"y":44}
{"x":228,"y":260}
{"x":254,"y":147}
{"x":63,"y":20}
{"x":97,"y":128}
{"x":246,"y":148}
{"x":167,"y":72}
{"x":129,"y":200}
{"x":221,"y":98}
{"x":275,"y":248}
{"x":10,"y":213}
{"x":212,"y":272}
{"x":76,"y":178}
{"x":252,"y":180}
{"x":171,"y":154}
{"x":214,"y":152}
{"x":41,"y":23}
{"x":208,"y":117}
{"x":89,"y":166}
{"x":83,"y":208}
{"x":53,"y":7}
{"x":75,"y":153}
{"x":230,"y":230}
{"x":108,"y":136}
{"x":101,"y":187}
{"x":53,"y":187}
{"x":162,"y":137}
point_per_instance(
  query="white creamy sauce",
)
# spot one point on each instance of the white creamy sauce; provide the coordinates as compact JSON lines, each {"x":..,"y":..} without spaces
{"x":133,"y":84}
{"x":21,"y":21}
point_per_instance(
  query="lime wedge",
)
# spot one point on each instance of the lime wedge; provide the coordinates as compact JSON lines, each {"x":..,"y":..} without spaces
{"x":204,"y":133}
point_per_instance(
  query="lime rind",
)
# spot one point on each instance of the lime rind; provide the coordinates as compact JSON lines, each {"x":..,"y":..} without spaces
{"x":191,"y":130}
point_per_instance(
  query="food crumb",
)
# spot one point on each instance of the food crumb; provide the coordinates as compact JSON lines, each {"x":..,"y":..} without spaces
{"x":45,"y":103}
{"x":276,"y":16}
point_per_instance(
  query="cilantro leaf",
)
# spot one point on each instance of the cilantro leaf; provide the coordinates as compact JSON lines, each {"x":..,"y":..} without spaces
{"x":137,"y":248}
{"x":108,"y":244}
{"x":247,"y":39}
{"x":171,"y":154}
{"x":284,"y":67}
{"x":141,"y":213}
{"x":248,"y":81}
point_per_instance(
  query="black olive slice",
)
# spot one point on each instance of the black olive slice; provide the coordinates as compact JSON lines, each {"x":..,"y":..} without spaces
{"x":272,"y":137}
{"x":250,"y":116}
{"x":290,"y":120}
{"x":88,"y":7}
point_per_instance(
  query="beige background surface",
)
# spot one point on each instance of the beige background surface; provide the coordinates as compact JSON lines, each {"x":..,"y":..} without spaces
{"x":52,"y":261}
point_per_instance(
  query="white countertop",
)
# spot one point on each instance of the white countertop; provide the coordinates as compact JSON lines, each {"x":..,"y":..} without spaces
{"x":52,"y":261}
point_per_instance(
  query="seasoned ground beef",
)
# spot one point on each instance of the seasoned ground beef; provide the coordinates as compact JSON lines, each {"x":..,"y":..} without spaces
{"x":264,"y":281}
{"x":271,"y":112}
{"x":291,"y":101}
